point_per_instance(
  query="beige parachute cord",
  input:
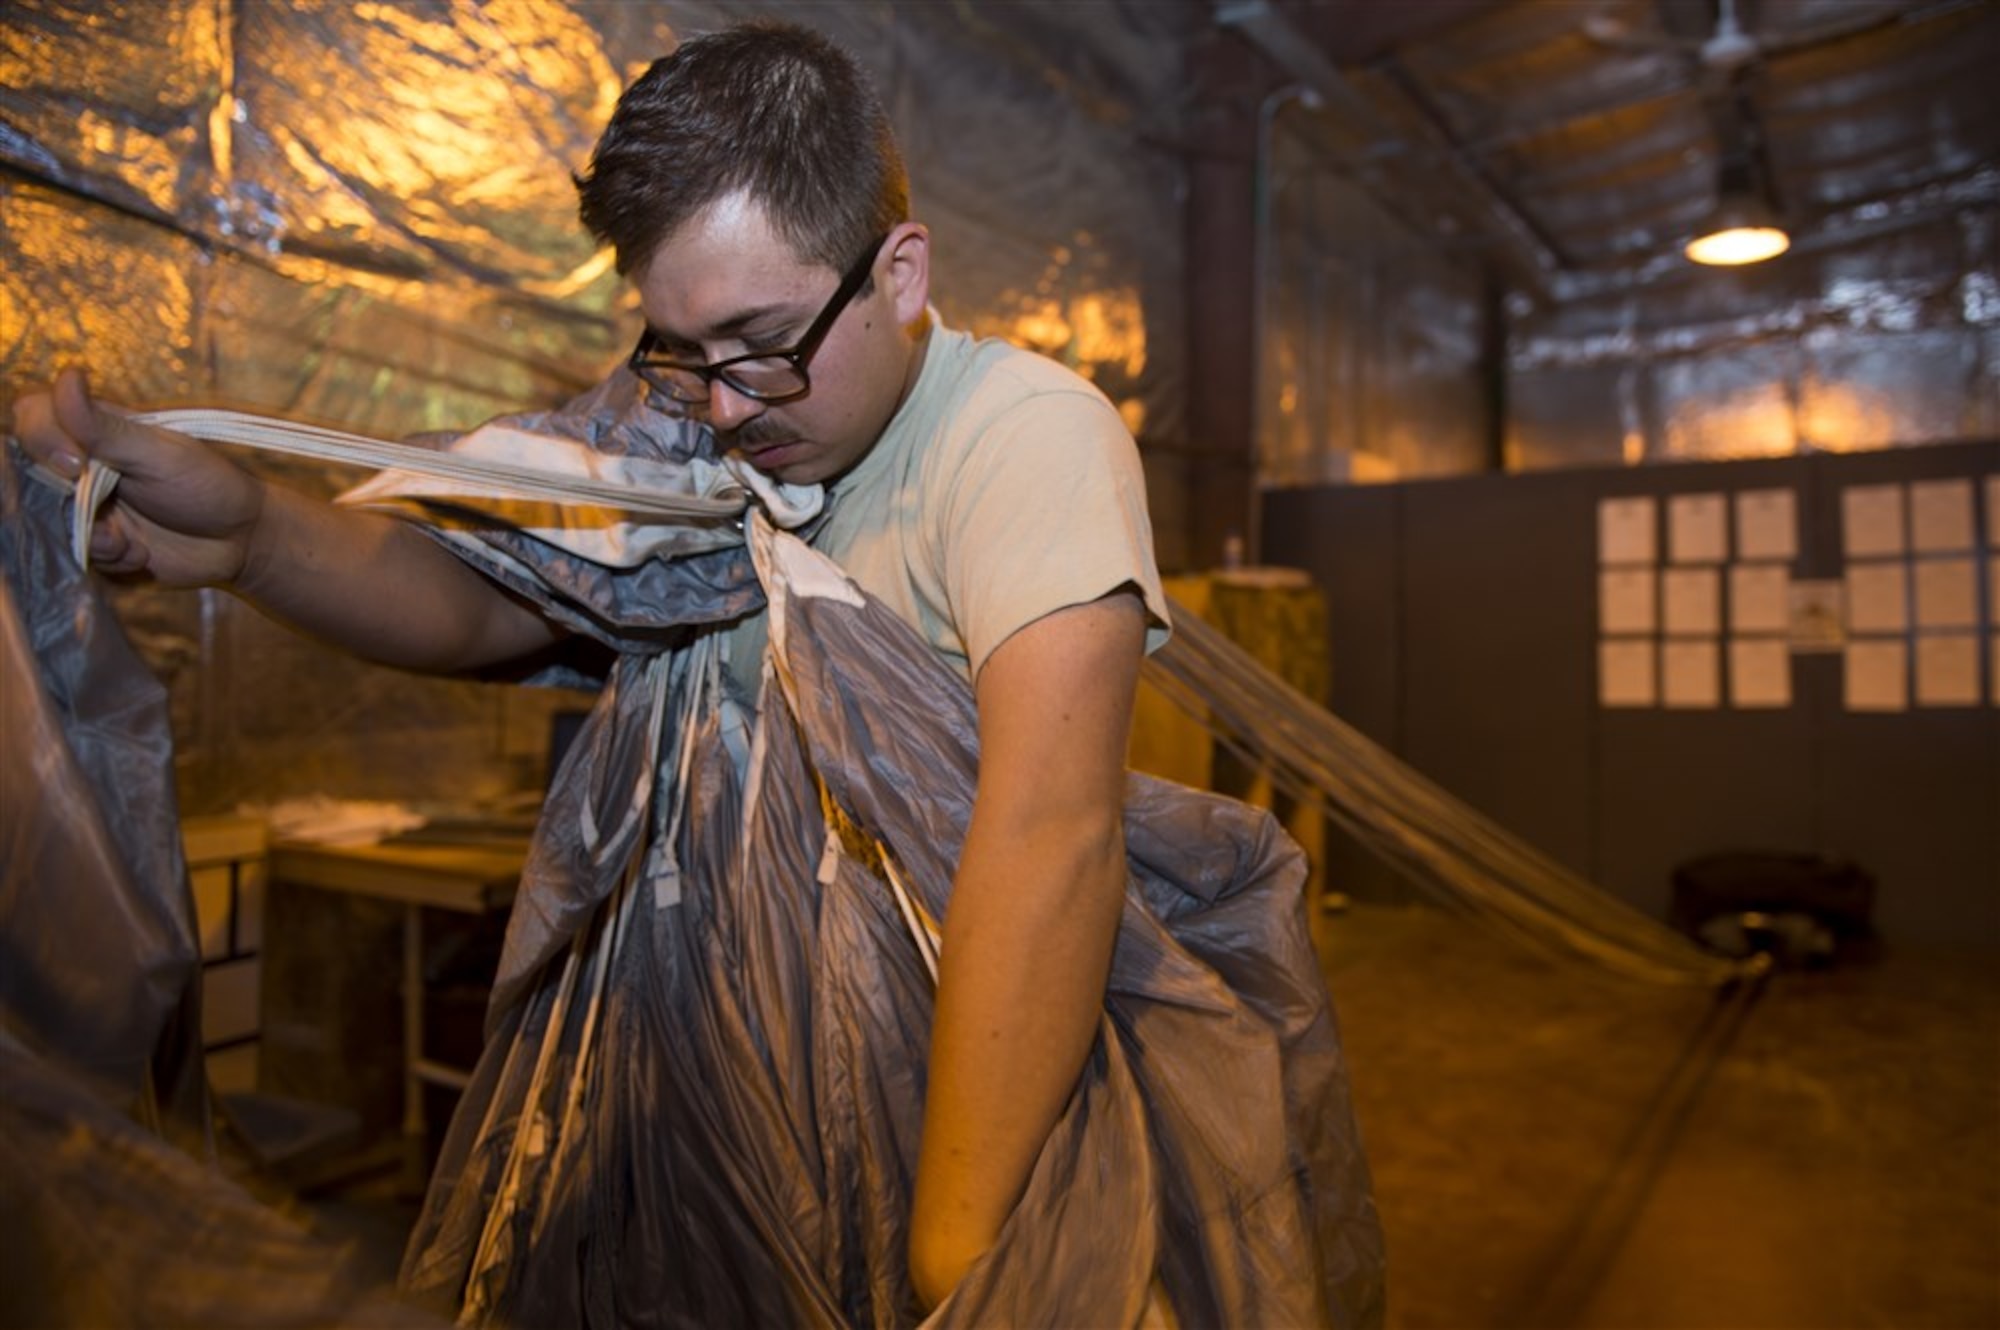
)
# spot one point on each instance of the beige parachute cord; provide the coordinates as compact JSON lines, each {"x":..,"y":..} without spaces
{"x":1435,"y":841}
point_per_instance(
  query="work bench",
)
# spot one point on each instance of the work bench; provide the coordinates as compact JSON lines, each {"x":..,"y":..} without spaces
{"x":348,"y":944}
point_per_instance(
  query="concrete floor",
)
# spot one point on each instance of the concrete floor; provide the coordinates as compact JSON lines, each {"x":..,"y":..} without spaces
{"x":1557,"y":1148}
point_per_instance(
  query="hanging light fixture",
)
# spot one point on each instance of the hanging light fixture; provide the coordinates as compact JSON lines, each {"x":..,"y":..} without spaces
{"x":1740,"y":231}
{"x":1744,"y":228}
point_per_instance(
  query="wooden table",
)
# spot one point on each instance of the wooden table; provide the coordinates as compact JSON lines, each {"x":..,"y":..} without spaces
{"x":418,"y":875}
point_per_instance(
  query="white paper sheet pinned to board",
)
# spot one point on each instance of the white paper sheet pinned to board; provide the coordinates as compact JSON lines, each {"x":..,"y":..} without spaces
{"x":1698,"y":528}
{"x":1947,"y":670}
{"x":1626,"y":600}
{"x":1759,"y":598}
{"x":1878,"y":596}
{"x":1690,"y":673}
{"x":1692,"y":601}
{"x":1871,"y":521}
{"x":1877,"y":674}
{"x":1627,"y":530}
{"x":1625,"y":676}
{"x":1760,"y":672}
{"x":1941,"y":515}
{"x":1767,"y":524}
{"x":1947,"y":593}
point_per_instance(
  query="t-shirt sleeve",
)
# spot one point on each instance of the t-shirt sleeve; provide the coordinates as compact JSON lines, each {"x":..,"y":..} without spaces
{"x":1047,"y":510}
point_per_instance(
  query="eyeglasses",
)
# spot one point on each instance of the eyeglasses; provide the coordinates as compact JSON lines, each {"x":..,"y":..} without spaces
{"x":766,"y":376}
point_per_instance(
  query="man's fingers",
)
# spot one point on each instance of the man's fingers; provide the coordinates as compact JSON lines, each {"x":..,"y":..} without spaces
{"x":35,"y":425}
{"x":66,"y":426}
{"x":104,"y":432}
{"x":111,"y":545}
{"x":75,"y":412}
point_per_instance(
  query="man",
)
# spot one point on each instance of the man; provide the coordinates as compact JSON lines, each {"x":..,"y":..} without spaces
{"x":753,"y":193}
{"x":1001,"y":515}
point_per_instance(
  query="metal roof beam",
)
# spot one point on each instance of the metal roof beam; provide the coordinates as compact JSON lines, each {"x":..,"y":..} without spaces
{"x":1522,"y":252}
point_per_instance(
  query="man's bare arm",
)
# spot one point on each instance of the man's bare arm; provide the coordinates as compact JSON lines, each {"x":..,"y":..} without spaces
{"x":1033,"y":917}
{"x":185,"y":516}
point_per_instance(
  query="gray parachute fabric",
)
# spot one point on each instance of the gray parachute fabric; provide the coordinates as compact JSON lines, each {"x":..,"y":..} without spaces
{"x":99,"y":963}
{"x":701,"y":1096}
{"x":1219,"y":1063}
{"x":116,"y":1214}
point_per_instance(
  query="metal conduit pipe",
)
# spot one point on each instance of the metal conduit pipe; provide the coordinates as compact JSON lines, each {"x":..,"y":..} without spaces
{"x":1263,"y":384}
{"x":1519,"y":248}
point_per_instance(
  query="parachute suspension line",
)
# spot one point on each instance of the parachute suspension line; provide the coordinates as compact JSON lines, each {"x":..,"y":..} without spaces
{"x":1442,"y":846}
{"x":603,"y":937}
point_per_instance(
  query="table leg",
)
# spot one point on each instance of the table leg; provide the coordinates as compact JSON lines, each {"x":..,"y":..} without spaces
{"x":413,"y":1025}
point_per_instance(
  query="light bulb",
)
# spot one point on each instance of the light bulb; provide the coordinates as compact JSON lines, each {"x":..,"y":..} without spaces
{"x":1738,"y":244}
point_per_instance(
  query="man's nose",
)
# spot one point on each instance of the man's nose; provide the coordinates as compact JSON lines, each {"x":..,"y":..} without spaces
{"x":729,"y":409}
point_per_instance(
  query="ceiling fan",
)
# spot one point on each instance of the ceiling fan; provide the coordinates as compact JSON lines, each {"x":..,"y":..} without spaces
{"x":1742,"y":225}
{"x":1730,"y":49}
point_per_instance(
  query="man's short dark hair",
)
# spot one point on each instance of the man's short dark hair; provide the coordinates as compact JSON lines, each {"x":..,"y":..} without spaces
{"x":770,"y":108}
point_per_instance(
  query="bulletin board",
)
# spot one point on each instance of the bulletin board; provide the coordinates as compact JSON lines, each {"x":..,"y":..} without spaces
{"x":1631,"y":668}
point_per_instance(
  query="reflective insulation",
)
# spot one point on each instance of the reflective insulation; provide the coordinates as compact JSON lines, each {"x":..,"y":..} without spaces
{"x":1373,"y":334}
{"x":1573,"y":153}
{"x":361,"y":214}
{"x":116,"y":1214}
{"x":1878,"y":346}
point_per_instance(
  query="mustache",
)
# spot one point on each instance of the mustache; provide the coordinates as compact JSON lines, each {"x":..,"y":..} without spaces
{"x":758,"y":433}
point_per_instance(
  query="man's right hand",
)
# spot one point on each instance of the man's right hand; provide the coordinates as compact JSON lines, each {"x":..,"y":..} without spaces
{"x":186,"y":516}
{"x":182,"y":514}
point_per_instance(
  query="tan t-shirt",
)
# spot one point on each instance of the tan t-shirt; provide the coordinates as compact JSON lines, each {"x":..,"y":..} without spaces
{"x":1005,"y":487}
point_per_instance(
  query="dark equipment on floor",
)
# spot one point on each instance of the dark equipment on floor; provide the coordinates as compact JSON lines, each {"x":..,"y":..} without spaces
{"x":1800,"y":909}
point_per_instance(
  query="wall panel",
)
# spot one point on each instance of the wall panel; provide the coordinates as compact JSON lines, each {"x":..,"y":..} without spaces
{"x":1463,"y":623}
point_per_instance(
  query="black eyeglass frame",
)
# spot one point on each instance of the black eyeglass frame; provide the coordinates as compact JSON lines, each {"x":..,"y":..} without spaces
{"x":643,"y":361}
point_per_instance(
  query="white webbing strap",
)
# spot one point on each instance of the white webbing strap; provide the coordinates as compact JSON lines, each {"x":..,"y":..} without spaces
{"x":924,"y":930}
{"x":505,"y":480}
{"x":639,"y":799}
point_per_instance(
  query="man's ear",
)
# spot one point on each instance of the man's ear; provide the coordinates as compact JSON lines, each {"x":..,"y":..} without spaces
{"x":909,"y":274}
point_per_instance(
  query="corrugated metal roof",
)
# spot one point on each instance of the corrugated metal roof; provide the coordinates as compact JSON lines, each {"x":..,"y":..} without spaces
{"x":1599,"y":129}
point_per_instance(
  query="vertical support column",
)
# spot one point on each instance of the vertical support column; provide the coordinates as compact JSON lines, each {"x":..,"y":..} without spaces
{"x":1221,"y":297}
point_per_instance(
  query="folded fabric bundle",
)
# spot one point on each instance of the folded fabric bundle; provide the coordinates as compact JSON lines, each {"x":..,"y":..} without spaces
{"x":703,"y":1087}
{"x":117,"y":1213}
{"x":703,"y":1084}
